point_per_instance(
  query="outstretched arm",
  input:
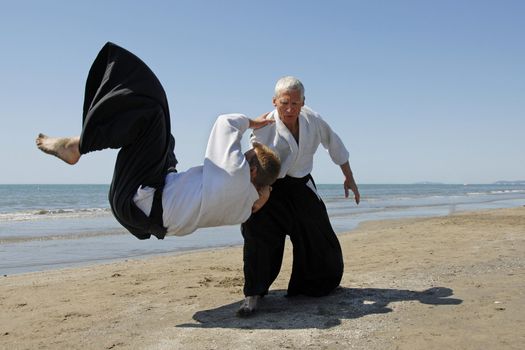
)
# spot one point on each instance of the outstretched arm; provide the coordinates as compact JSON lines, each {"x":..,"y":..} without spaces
{"x":349,"y":183}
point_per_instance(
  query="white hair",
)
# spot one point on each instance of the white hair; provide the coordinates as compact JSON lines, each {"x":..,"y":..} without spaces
{"x":288,"y":83}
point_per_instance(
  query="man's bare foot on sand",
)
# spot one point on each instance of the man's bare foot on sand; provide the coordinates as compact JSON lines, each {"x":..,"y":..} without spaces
{"x":249,"y":306}
{"x":65,"y":148}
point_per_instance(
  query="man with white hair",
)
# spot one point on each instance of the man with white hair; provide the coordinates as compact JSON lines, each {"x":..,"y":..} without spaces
{"x":294,"y":208}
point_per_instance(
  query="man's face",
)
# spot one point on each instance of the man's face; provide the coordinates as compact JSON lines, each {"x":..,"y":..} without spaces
{"x":289,"y":105}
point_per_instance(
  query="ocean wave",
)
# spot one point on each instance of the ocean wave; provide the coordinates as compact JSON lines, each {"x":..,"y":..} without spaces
{"x":53,"y":213}
{"x":507,"y":191}
{"x":495,"y":192}
{"x":365,"y":208}
{"x":72,"y":236}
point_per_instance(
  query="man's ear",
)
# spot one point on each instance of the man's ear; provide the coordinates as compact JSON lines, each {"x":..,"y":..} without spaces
{"x":273,"y":101}
{"x":304,"y":99}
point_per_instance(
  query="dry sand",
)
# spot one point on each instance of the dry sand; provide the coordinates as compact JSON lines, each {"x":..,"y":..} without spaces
{"x":454,"y":282}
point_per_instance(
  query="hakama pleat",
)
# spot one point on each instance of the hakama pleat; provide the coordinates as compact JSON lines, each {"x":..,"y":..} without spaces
{"x":125,"y":107}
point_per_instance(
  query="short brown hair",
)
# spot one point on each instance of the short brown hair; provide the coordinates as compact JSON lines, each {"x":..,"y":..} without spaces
{"x":267,"y":163}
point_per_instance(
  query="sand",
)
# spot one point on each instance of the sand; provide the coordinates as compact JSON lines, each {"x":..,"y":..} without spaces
{"x":453,"y":282}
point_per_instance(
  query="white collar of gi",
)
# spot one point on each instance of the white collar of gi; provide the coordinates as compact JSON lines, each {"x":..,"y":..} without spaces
{"x":283,"y":129}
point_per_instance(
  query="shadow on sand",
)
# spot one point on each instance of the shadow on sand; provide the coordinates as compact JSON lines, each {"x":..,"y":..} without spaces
{"x":279,"y":312}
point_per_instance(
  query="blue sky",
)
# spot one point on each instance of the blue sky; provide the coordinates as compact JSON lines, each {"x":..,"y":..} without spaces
{"x":417,"y":90}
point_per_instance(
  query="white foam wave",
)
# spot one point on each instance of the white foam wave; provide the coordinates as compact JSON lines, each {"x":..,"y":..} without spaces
{"x":53,"y":213}
{"x":495,"y":192}
{"x":21,"y":239}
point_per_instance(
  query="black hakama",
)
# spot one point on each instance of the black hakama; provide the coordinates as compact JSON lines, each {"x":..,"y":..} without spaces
{"x":295,"y":210}
{"x":125,"y":107}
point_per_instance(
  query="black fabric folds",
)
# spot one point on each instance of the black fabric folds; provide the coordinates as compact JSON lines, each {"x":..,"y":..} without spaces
{"x":125,"y":107}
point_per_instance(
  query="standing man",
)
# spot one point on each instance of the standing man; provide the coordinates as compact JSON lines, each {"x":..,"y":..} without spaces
{"x":294,"y":208}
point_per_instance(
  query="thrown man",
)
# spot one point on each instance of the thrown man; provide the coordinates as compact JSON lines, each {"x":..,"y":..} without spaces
{"x":125,"y":107}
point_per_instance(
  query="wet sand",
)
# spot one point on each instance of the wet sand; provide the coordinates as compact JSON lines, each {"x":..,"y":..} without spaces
{"x":452,"y":282}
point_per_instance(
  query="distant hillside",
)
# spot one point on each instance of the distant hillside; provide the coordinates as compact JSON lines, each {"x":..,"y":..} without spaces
{"x":506,"y":182}
{"x":428,"y":183}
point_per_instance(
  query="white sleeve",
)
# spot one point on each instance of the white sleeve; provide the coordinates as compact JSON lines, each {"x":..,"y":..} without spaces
{"x":224,"y":144}
{"x":331,"y":142}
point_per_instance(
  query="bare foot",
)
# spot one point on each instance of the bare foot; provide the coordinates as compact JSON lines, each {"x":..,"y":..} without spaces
{"x":249,"y":306}
{"x":65,"y":148}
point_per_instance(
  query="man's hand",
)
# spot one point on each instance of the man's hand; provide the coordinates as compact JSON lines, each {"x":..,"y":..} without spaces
{"x":349,"y":184}
{"x":260,"y":121}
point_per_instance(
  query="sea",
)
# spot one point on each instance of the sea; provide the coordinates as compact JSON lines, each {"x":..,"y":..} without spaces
{"x":45,"y":227}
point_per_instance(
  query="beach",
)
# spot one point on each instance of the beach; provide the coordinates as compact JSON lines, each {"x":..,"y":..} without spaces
{"x":454,"y":281}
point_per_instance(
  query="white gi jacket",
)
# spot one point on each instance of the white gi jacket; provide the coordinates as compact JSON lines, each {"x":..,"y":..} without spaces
{"x":297,"y":159}
{"x":217,"y":193}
